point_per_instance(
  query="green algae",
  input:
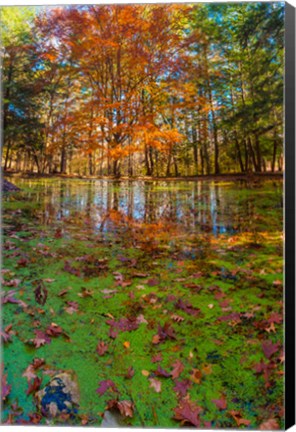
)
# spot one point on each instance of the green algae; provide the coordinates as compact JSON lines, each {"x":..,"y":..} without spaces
{"x":223,"y":351}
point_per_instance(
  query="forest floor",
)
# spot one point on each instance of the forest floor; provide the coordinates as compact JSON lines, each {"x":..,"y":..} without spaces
{"x":167,"y":327}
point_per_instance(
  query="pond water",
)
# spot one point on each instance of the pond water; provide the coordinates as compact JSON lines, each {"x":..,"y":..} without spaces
{"x":201,"y":206}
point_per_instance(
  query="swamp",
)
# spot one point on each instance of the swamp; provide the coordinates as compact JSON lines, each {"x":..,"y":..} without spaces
{"x":164,"y":298}
{"x":142,"y":248}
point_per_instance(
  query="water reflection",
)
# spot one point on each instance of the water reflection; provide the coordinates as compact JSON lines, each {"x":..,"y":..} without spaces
{"x":217,"y":208}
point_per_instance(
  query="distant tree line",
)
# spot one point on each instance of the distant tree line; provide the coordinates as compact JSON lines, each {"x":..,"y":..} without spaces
{"x":156,"y":90}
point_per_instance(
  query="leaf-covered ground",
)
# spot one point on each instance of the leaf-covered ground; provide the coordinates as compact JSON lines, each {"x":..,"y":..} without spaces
{"x":165,"y":324}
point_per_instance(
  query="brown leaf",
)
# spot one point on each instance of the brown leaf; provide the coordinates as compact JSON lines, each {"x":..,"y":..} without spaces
{"x":126,"y":408}
{"x":102,"y":348}
{"x":130,"y":372}
{"x":220,"y":403}
{"x":187,"y":307}
{"x":188,"y":412}
{"x":54,"y":330}
{"x":5,"y":387}
{"x":41,"y":293}
{"x":178,"y":368}
{"x":34,"y":385}
{"x":177,"y":318}
{"x":72,"y":307}
{"x":156,"y":339}
{"x":7,"y":333}
{"x":85,"y":293}
{"x":161,"y":372}
{"x":196,"y":376}
{"x":236,"y":415}
{"x":29,"y":373}
{"x":270,"y":424}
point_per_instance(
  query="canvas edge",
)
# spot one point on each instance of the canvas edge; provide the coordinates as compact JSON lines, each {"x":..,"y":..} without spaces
{"x":289,"y":215}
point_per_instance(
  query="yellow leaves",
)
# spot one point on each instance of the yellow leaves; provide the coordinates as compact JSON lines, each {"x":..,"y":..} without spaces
{"x":145,"y":373}
{"x":126,"y":344}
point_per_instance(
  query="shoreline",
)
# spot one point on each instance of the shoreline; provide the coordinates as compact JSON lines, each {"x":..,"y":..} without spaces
{"x":213,"y":177}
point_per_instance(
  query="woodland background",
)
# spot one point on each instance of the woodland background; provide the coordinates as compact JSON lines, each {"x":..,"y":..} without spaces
{"x":155,"y":90}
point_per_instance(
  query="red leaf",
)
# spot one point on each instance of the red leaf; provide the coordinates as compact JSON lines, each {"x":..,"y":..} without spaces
{"x":181,"y":387}
{"x":220,"y":403}
{"x":161,"y":372}
{"x":156,"y":358}
{"x":54,"y":330}
{"x":188,"y":412}
{"x":269,"y":348}
{"x":275,"y":318}
{"x":106,"y":385}
{"x":152,"y":282}
{"x":40,"y":339}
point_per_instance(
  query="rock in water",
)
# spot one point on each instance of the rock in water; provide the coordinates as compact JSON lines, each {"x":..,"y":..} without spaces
{"x":9,"y":187}
{"x":59,"y":396}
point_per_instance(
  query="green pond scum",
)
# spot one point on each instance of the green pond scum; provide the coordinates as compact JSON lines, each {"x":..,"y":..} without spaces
{"x":163,"y":299}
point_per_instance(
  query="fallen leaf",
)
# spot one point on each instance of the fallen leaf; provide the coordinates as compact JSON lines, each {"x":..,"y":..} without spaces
{"x":34,"y":385}
{"x":41,"y":293}
{"x":102,"y":348}
{"x":269,"y":348}
{"x":220,"y":403}
{"x":156,"y":358}
{"x":145,"y":373}
{"x":72,"y":307}
{"x":126,"y":408}
{"x":178,"y":368}
{"x":187,"y":307}
{"x":155,"y":384}
{"x":188,"y":412}
{"x":106,"y":385}
{"x":85,"y":293}
{"x":7,"y":333}
{"x":40,"y":339}
{"x":161,"y":372}
{"x":29,"y":373}
{"x":5,"y":387}
{"x":270,"y":424}
{"x":54,"y":330}
{"x":177,"y":318}
{"x":130,"y":372}
{"x":181,"y":387}
{"x":236,"y":415}
{"x":126,"y":344}
{"x":196,"y":376}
